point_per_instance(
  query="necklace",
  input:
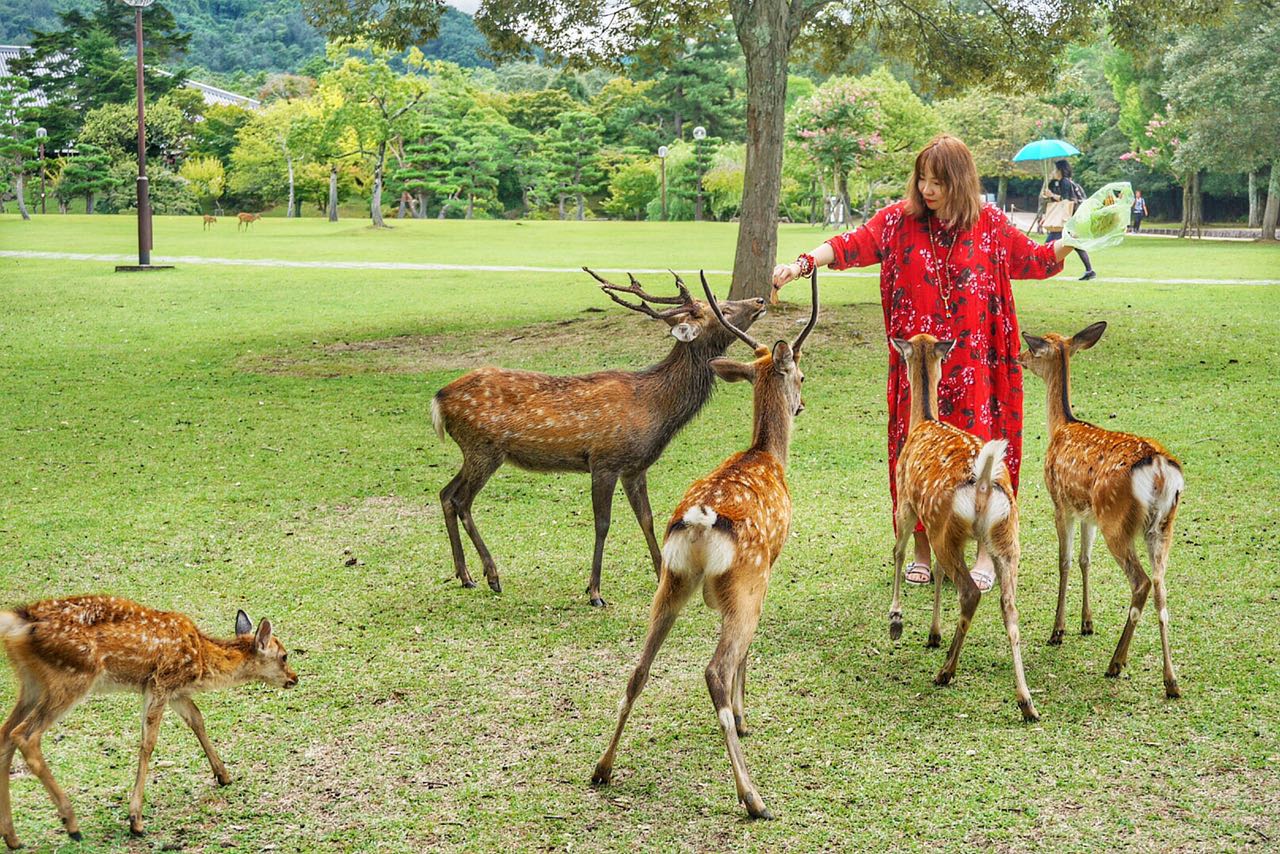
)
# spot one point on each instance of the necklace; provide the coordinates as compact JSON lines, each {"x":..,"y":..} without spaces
{"x":944,"y":273}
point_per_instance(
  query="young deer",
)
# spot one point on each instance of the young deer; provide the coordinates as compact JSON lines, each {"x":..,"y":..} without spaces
{"x":62,"y":649}
{"x":958,"y":487}
{"x":246,"y":220}
{"x":208,"y":221}
{"x":1124,"y":484}
{"x":613,"y":424}
{"x":725,"y":536}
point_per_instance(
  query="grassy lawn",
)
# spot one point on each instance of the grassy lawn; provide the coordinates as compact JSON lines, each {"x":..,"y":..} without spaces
{"x":212,"y":438}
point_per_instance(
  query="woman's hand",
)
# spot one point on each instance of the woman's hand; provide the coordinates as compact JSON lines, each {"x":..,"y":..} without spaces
{"x":784,"y":273}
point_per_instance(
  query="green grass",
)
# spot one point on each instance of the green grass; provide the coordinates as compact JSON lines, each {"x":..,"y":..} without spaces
{"x":211,"y":438}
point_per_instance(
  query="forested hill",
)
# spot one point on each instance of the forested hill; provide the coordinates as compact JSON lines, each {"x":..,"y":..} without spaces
{"x":229,"y":36}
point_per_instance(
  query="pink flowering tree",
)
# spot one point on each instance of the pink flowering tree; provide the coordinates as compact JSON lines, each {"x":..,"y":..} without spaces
{"x":1162,"y":148}
{"x":837,"y":128}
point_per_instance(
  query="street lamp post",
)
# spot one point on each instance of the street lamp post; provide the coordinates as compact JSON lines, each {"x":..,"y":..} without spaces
{"x":41,"y":133}
{"x":699,"y":134}
{"x":144,"y":195}
{"x":662,"y":168}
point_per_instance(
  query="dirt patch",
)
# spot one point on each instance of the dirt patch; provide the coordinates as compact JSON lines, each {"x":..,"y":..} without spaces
{"x":593,"y":340}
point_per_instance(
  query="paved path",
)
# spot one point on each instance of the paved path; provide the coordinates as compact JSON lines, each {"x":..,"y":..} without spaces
{"x":397,"y":265}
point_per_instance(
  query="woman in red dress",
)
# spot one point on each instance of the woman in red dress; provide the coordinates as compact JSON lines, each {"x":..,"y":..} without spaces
{"x":946,"y":263}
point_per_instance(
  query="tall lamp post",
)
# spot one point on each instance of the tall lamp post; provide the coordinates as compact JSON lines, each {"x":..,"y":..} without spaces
{"x":662,"y":168}
{"x":144,"y":195}
{"x":699,"y":134}
{"x":41,"y":133}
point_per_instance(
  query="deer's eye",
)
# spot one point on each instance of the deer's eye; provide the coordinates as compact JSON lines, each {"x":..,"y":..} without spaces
{"x":284,"y":658}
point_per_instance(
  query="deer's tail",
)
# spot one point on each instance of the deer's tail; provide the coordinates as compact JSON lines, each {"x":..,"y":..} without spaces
{"x":990,"y":505}
{"x":437,"y":417}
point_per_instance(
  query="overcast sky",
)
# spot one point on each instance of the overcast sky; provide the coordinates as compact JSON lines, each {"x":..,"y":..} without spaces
{"x":468,"y":6}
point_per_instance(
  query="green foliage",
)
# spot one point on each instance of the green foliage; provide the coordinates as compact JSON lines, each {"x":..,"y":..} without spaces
{"x":572,"y":151}
{"x":724,"y":181}
{"x":114,"y":128}
{"x":633,"y":186}
{"x":539,"y":112}
{"x":89,"y":173}
{"x":395,"y":25}
{"x":216,"y":135}
{"x":206,"y":178}
{"x":995,"y":126}
{"x":629,"y":114}
{"x":700,"y":85}
{"x":169,"y":193}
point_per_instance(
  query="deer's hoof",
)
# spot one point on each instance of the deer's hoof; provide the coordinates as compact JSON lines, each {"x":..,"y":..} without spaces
{"x":756,"y":808}
{"x":1055,"y":639}
{"x":468,"y":584}
{"x":1086,"y":628}
{"x":495,"y":585}
{"x":602,"y":776}
{"x":223,"y":779}
{"x":1113,"y":670}
{"x":1029,"y":713}
{"x":1172,"y":691}
{"x":933,"y":642}
{"x":597,"y":602}
{"x":12,"y":843}
{"x":76,"y":836}
{"x":135,"y":829}
{"x":895,"y":628}
{"x":943,"y":678}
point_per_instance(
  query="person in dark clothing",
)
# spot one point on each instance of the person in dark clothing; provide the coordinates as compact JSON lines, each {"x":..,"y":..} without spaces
{"x":1139,"y":210}
{"x":1063,"y":187}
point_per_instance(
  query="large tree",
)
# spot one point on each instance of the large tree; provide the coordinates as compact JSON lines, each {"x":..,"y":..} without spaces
{"x":17,"y":137}
{"x":995,"y":126}
{"x":950,"y":44}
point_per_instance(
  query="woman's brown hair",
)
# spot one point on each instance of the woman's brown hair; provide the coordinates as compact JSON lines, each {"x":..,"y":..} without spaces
{"x":948,"y":160}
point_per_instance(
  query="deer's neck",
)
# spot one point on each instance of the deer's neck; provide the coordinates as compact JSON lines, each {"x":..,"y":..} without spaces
{"x":1058,"y":384}
{"x":680,"y":385}
{"x":924,"y":392}
{"x":771,"y":431}
{"x":223,"y":662}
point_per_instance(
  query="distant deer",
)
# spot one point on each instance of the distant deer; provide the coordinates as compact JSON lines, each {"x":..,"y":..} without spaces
{"x":613,"y":424}
{"x":725,"y":536}
{"x":208,"y":221}
{"x":62,"y":649}
{"x":1124,"y":484}
{"x":959,"y":488}
{"x":246,"y":220}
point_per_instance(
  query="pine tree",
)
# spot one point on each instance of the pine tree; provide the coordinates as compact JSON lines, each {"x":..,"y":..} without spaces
{"x":572,"y":150}
{"x":86,"y":173}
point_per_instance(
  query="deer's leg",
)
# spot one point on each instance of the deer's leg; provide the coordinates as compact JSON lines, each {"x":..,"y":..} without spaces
{"x":1066,"y":533}
{"x":7,"y":748}
{"x":741,"y":615}
{"x":935,"y":627}
{"x":187,"y":710}
{"x":476,"y":471}
{"x":1140,"y":585}
{"x":153,"y":704}
{"x":636,"y":487}
{"x":1088,"y":533}
{"x":1158,"y":544}
{"x":1007,"y":577}
{"x":905,"y":520}
{"x":950,"y":555}
{"x":27,"y":734}
{"x":451,"y":526}
{"x":673,"y":592}
{"x":603,"y":483}
{"x":740,"y":698}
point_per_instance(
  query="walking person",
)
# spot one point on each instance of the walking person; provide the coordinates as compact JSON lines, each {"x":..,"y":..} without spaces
{"x":1139,"y":210}
{"x":1062,"y":189}
{"x":946,"y":263}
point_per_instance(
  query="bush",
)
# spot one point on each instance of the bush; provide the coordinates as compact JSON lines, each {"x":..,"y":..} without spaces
{"x":170,"y":193}
{"x":633,"y":187}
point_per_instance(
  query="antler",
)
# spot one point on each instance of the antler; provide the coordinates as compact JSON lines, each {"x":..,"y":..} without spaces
{"x":681,"y":302}
{"x":813,"y":318}
{"x":715,"y":307}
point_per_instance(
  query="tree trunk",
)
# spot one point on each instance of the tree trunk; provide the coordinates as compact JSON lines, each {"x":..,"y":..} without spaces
{"x":471,"y":205}
{"x":375,"y":204}
{"x":581,"y":207}
{"x":1272,"y":213}
{"x":562,"y":205}
{"x":1197,"y":204}
{"x":764,"y":33}
{"x":333,"y":193}
{"x":1185,"y":225}
{"x":1255,"y":212}
{"x":846,"y":203}
{"x":1002,"y":191}
{"x":88,"y":202}
{"x":293,"y":210}
{"x":404,"y":203}
{"x":19,"y":183}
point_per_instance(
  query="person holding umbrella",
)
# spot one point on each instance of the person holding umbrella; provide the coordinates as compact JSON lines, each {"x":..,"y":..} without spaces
{"x":946,"y":261}
{"x":1065,"y":194}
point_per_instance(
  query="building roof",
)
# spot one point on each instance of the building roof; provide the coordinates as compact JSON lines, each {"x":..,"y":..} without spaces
{"x":211,"y":94}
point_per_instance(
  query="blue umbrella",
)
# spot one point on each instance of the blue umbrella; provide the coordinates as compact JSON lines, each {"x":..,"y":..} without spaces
{"x":1045,"y":149}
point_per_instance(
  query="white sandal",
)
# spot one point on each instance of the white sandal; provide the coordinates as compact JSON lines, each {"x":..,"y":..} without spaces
{"x":916,"y":565}
{"x":985,"y":579}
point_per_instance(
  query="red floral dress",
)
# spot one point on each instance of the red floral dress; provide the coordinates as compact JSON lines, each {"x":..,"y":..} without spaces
{"x":981,"y":385}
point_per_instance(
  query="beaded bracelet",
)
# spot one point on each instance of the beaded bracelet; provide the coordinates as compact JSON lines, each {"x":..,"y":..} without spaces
{"x":807,"y":264}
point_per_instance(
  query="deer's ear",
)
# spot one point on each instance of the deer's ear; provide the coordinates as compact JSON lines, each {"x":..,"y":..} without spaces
{"x":783,"y":357}
{"x":1087,"y":337}
{"x":1038,"y":346}
{"x":942,"y":348}
{"x":263,"y":636}
{"x":686,"y":332}
{"x":903,"y":346}
{"x":731,"y":371}
{"x":244,"y":626}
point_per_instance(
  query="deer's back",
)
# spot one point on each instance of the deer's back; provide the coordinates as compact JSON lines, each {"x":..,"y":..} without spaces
{"x":119,"y":642}
{"x":750,"y":491}
{"x":546,"y":422}
{"x":1089,"y":469}
{"x":936,"y":459}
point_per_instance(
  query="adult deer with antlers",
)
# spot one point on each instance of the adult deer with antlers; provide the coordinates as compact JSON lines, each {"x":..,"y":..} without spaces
{"x":724,"y":537}
{"x":958,"y":487}
{"x":63,"y":649}
{"x":612,"y":424}
{"x":1125,"y":485}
